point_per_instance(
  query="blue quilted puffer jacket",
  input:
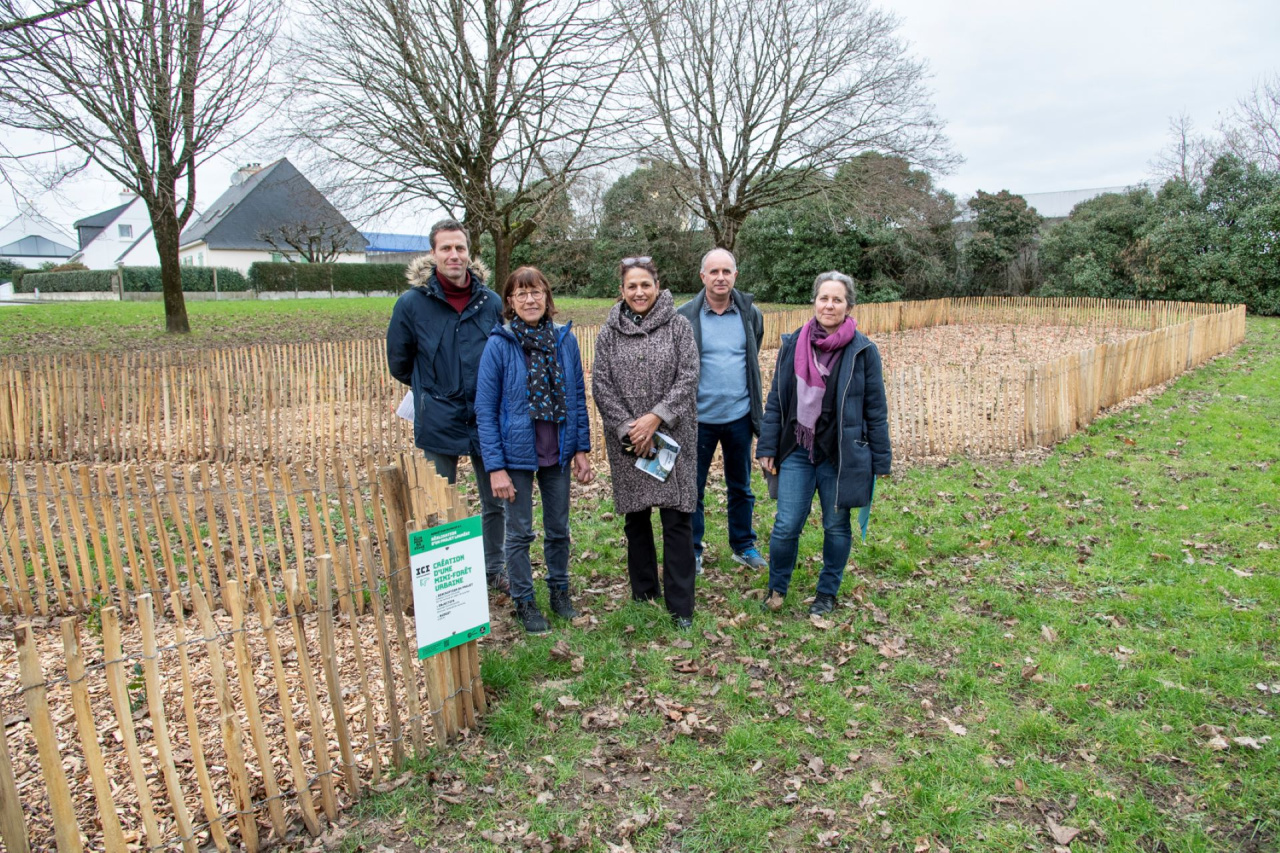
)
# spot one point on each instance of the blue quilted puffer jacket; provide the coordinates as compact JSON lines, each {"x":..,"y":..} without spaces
{"x":502,"y":402}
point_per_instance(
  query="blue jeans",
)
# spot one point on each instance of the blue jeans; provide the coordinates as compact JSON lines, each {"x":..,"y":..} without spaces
{"x":798,"y":479}
{"x":553,"y":483}
{"x":735,"y":443}
{"x":491,"y":508}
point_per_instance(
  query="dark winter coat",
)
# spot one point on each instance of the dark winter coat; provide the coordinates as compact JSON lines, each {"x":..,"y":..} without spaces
{"x":862,"y":451}
{"x":753,"y":325}
{"x":638,"y":369}
{"x":507,"y":435}
{"x":436,"y":351}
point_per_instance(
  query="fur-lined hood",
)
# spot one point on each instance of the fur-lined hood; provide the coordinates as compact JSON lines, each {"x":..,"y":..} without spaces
{"x":420,"y":270}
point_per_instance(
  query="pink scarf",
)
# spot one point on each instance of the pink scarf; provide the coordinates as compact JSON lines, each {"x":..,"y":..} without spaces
{"x":816,"y":350}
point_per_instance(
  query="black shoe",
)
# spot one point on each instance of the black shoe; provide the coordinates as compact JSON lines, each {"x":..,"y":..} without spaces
{"x":499,"y":582}
{"x":531,"y":617}
{"x":561,"y":605}
{"x":822,"y":604}
{"x":682,"y":623}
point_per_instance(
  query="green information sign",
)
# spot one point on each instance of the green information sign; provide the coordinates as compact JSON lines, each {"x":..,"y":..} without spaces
{"x":450,"y":598}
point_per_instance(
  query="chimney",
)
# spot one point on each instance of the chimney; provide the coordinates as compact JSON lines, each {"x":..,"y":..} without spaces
{"x":127,"y":196}
{"x":244,"y":173}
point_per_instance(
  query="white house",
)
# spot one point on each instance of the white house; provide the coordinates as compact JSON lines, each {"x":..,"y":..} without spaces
{"x":270,"y":213}
{"x":31,"y":240}
{"x":120,"y":236}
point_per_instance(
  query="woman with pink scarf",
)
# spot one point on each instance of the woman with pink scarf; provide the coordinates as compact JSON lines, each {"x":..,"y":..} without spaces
{"x":825,"y":430}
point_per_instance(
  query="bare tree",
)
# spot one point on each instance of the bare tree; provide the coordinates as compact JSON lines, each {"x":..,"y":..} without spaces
{"x":1252,"y":131}
{"x":313,"y":242}
{"x":491,"y":107}
{"x":750,"y":98}
{"x":1187,"y":156}
{"x":147,"y":90}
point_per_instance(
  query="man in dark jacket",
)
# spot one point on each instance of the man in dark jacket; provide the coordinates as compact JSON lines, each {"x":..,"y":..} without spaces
{"x":728,"y":330}
{"x":437,"y":334}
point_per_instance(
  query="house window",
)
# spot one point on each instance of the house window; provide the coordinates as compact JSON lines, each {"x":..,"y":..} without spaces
{"x":277,"y":258}
{"x":200,"y":259}
{"x":126,"y":231}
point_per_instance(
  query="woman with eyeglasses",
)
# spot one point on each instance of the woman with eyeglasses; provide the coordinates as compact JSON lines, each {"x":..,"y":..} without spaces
{"x":825,"y":430}
{"x":531,"y":413}
{"x":645,"y":381}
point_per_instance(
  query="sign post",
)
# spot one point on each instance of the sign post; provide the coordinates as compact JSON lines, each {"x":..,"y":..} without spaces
{"x":450,"y":597}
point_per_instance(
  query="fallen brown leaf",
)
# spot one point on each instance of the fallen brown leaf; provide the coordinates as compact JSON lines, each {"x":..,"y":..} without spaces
{"x":1062,"y":834}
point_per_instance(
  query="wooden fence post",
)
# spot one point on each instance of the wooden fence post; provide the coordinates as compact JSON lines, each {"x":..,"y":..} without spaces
{"x":13,"y":828}
{"x":228,"y":724}
{"x":65,"y":828}
{"x":395,"y":497}
{"x":113,"y":651}
{"x":309,"y":816}
{"x":384,"y":647}
{"x":112,"y":835}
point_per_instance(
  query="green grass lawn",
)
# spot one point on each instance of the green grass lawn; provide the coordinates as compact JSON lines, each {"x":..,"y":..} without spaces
{"x":1073,"y":644}
{"x":106,"y":326}
{"x":113,"y":326}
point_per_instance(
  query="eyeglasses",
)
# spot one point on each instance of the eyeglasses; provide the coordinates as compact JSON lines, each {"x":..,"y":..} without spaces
{"x":637,"y":261}
{"x":528,"y":296}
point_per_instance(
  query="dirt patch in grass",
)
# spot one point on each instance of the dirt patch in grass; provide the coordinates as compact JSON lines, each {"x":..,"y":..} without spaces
{"x":998,"y":348}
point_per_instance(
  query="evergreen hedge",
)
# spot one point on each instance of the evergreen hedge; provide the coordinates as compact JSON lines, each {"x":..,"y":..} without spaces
{"x":266,"y":277}
{"x":72,"y":281}
{"x":194,"y":280}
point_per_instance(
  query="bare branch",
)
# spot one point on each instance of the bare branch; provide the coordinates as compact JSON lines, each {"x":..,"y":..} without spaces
{"x":7,"y":9}
{"x":146,"y":90}
{"x":749,"y":99}
{"x":491,"y":107}
{"x":1187,"y":156}
{"x":1252,"y":131}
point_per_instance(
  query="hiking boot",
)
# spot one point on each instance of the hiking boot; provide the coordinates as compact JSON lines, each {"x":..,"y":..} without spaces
{"x":682,"y":623}
{"x":499,"y":582}
{"x":773,"y":602}
{"x":751,"y":558}
{"x":531,"y":617}
{"x":822,"y":604}
{"x":561,"y":605}
{"x":697,"y":565}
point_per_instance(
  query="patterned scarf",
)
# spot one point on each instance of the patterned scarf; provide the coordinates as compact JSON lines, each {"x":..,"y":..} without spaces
{"x":816,"y":350}
{"x":546,"y":376}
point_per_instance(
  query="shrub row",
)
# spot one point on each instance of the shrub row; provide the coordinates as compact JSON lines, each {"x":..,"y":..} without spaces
{"x":267,"y":277}
{"x":355,"y":278}
{"x":71,"y":281}
{"x":194,"y":280}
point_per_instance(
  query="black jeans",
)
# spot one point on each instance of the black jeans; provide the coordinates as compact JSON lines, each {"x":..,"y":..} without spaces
{"x":676,"y":585}
{"x":734,"y":439}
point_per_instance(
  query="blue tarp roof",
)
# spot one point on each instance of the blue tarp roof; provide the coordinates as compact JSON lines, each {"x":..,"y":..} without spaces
{"x":383,"y":242}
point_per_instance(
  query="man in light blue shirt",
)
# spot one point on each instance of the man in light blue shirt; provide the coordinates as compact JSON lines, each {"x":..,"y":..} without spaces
{"x":728,"y":329}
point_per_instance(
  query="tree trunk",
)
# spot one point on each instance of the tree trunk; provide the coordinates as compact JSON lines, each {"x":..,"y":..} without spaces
{"x":501,"y":260}
{"x":164,"y":224}
{"x":728,"y":235}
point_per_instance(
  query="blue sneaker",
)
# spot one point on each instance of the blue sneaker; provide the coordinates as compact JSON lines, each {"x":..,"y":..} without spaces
{"x":697,"y":565}
{"x":751,"y":558}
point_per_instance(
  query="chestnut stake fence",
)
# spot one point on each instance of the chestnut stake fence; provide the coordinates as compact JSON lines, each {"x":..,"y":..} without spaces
{"x":303,"y":402}
{"x":250,"y":671}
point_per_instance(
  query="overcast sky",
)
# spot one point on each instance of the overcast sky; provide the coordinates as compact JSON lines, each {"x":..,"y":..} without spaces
{"x":1037,"y":96}
{"x":1046,"y":96}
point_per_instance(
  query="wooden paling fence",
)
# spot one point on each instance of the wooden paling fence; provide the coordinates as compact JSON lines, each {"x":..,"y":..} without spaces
{"x":223,"y":699}
{"x":1066,"y":395}
{"x":305,"y":402}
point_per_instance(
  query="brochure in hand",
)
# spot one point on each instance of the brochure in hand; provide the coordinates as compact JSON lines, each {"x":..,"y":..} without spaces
{"x":660,"y":464}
